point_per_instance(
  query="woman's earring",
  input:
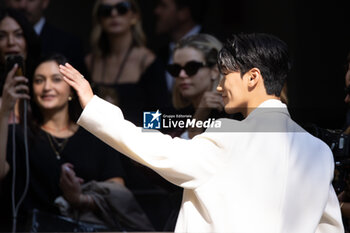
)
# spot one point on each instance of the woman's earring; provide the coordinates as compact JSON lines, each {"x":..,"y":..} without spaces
{"x":70,"y":98}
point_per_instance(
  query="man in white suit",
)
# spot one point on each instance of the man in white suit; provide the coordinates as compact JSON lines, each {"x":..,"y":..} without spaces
{"x":264,"y":174}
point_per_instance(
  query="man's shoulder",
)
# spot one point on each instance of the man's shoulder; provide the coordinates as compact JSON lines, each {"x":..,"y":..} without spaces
{"x":225,"y":125}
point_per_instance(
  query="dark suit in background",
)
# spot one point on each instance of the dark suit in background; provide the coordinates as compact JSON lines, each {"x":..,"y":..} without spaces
{"x":55,"y":40}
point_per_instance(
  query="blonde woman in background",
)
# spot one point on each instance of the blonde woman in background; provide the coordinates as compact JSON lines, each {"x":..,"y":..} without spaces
{"x":122,"y":70}
{"x":196,"y":77}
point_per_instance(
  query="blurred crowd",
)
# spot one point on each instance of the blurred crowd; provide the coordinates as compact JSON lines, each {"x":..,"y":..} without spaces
{"x":64,"y":176}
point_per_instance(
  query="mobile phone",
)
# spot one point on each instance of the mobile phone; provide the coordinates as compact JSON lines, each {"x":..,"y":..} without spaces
{"x":11,"y":60}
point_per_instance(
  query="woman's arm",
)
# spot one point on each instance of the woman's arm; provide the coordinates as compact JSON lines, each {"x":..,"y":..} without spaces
{"x":4,"y":166}
{"x":70,"y":185}
{"x":14,"y":89}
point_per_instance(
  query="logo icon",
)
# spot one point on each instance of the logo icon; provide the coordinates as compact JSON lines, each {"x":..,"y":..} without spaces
{"x":151,"y":120}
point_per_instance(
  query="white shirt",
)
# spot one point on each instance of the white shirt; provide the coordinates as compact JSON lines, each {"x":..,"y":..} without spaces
{"x":248,"y":179}
{"x":38,"y":27}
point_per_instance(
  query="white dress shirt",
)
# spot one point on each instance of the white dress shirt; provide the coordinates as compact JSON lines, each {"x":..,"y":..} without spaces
{"x":38,"y":27}
{"x":264,"y":174}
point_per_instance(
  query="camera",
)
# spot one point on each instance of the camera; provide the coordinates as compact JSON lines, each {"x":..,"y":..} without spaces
{"x":335,"y":139}
{"x":340,"y":145}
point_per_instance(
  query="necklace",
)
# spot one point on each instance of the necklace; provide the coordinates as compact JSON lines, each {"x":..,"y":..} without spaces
{"x":57,"y":146}
{"x":122,"y":64}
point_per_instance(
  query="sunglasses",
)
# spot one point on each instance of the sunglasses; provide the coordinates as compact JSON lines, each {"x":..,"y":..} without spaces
{"x":105,"y":10}
{"x":191,"y":68}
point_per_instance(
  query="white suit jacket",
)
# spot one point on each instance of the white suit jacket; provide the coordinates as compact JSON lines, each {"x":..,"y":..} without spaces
{"x":264,"y":174}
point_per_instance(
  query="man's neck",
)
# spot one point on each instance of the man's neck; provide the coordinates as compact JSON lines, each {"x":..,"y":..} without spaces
{"x":256,"y":102}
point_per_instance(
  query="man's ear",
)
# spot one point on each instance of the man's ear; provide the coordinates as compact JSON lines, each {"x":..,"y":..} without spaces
{"x":254,"y":77}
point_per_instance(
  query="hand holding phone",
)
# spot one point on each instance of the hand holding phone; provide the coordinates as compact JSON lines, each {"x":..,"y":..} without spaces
{"x":15,"y":87}
{"x":11,"y":60}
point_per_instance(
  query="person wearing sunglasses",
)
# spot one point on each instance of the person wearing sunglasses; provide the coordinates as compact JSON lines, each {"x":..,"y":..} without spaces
{"x":196,"y":77}
{"x":125,"y":72}
{"x":177,"y":19}
{"x":122,"y":70}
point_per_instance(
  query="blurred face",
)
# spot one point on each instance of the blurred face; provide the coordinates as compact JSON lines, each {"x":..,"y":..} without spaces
{"x":33,"y":9}
{"x":166,"y":13}
{"x":347,"y":84}
{"x":116,"y":16}
{"x":50,"y":91}
{"x":12,"y":40}
{"x":193,"y":86}
{"x":233,"y":89}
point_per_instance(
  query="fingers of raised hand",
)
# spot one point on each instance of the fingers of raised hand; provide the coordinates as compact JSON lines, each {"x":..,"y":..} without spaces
{"x":70,"y":72}
{"x":72,"y":68}
{"x":66,"y":72}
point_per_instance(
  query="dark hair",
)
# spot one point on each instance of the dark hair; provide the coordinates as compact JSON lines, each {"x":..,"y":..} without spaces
{"x":32,"y":41}
{"x":196,"y":8}
{"x":263,"y":51}
{"x":74,"y":110}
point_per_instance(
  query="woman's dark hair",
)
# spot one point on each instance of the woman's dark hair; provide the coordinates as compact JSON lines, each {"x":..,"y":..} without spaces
{"x":263,"y":51}
{"x":32,"y":41}
{"x":36,"y":118}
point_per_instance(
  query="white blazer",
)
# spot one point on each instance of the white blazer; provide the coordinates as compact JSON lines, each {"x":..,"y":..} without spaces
{"x":264,"y":174}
